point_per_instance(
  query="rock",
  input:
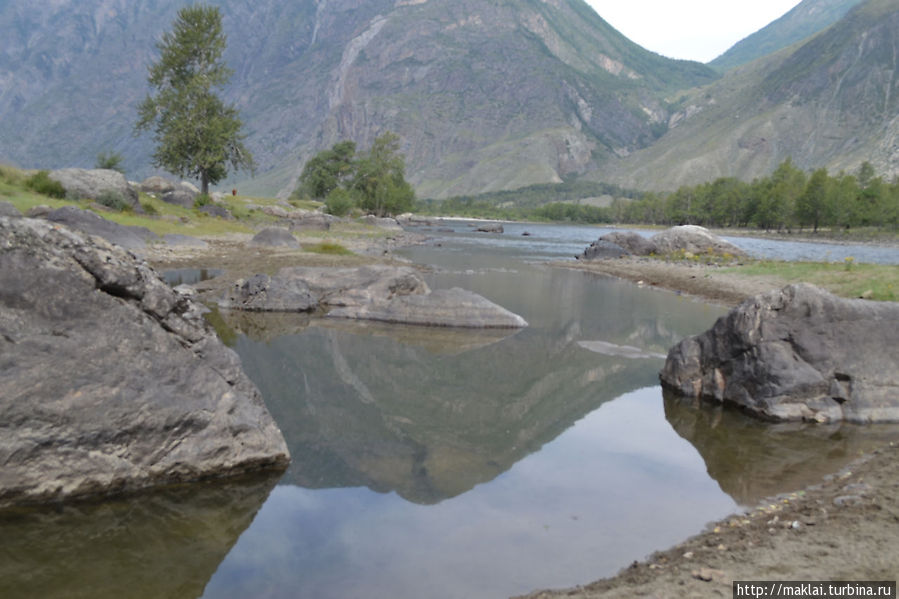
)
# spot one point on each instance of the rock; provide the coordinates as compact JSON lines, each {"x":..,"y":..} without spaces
{"x":132,"y":238}
{"x":262,"y":293}
{"x":490,"y":228}
{"x":603,"y":250}
{"x":179,"y":197}
{"x":178,"y":240}
{"x":390,"y":224}
{"x":694,"y":239}
{"x":156,"y":185}
{"x":634,"y":243}
{"x":312,"y":221}
{"x":89,"y":184}
{"x":276,"y":211}
{"x":7,"y":209}
{"x":274,"y":237}
{"x":442,"y":308}
{"x":796,"y":354}
{"x":112,"y":381}
{"x":217,"y":197}
{"x":39,"y":211}
{"x":376,"y":292}
{"x":190,"y":187}
{"x":216,"y":210}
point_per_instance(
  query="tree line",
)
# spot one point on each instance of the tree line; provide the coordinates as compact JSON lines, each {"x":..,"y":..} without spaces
{"x":788,"y":199}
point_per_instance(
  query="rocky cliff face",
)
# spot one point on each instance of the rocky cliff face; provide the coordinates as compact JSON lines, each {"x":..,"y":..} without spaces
{"x":485,"y":95}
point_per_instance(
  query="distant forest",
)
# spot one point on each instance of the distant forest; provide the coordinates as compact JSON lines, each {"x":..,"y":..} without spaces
{"x":786,"y":200}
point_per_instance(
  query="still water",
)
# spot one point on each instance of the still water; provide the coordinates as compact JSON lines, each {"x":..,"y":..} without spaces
{"x":441,"y":463}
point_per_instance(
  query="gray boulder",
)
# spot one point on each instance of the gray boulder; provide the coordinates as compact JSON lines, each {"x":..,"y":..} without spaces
{"x":312,"y":221}
{"x":112,"y":381}
{"x":391,"y":224}
{"x":274,"y":237}
{"x":603,"y":250}
{"x":693,"y":239}
{"x":357,"y":286}
{"x":156,"y":185}
{"x":90,"y":184}
{"x":634,"y":243}
{"x":262,"y":293}
{"x":7,"y":209}
{"x":216,"y":210}
{"x":796,"y":354}
{"x":132,"y":238}
{"x":179,"y":197}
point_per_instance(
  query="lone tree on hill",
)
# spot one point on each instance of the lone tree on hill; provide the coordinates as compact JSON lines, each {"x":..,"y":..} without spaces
{"x":196,"y":134}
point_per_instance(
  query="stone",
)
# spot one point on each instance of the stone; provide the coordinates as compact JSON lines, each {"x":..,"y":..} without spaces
{"x":603,"y":250}
{"x":441,"y":308}
{"x":634,"y":243}
{"x":156,"y":185}
{"x":490,"y":228}
{"x":376,"y":292}
{"x":179,"y":197}
{"x":391,"y":224}
{"x":112,"y":381}
{"x":262,"y":293}
{"x":693,"y":239}
{"x":276,"y":211}
{"x":7,"y":209}
{"x":799,"y":353}
{"x":39,"y":211}
{"x":132,"y":238}
{"x":90,"y":184}
{"x":216,"y":210}
{"x":274,"y":237}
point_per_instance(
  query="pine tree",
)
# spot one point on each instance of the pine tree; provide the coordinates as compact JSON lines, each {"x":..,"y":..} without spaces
{"x":197,"y":135}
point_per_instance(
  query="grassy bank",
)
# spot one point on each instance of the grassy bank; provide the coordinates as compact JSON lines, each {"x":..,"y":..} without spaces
{"x":871,"y":281}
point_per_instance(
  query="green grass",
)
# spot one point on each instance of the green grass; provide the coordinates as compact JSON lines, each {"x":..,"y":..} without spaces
{"x":328,"y":247}
{"x":848,"y":279}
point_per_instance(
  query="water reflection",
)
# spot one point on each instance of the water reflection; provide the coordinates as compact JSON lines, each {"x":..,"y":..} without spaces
{"x":162,"y":544}
{"x":189,"y":276}
{"x":751,"y":459}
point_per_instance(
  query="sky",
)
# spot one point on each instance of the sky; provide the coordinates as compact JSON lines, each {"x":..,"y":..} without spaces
{"x":690,"y":29}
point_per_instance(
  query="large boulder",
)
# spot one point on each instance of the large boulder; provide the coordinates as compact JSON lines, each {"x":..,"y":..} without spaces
{"x":7,"y":209}
{"x":602,"y":250}
{"x":262,"y":293}
{"x":112,"y":381}
{"x":693,"y":239}
{"x":132,"y":238}
{"x":274,"y":237}
{"x":156,"y":185}
{"x":796,"y":354}
{"x":90,"y":184}
{"x":179,"y":197}
{"x":633,"y":242}
{"x":311,"y":221}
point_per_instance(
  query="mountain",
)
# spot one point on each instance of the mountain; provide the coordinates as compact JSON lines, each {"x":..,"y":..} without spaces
{"x":484,"y":94}
{"x":803,"y":20}
{"x":832,"y":101}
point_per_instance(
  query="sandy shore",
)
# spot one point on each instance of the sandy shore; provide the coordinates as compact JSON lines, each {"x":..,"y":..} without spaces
{"x":845,"y":528}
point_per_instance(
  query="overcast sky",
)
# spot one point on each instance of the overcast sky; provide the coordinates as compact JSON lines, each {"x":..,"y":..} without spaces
{"x":692,"y":29}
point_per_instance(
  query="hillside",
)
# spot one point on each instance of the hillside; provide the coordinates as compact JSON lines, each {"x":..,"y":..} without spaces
{"x":803,"y":20}
{"x":485,"y":95}
{"x":831,"y":101}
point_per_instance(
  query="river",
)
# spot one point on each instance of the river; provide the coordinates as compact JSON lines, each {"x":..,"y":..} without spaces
{"x":441,"y":463}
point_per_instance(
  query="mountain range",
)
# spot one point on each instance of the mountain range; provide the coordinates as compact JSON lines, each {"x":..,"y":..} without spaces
{"x":484,"y":94}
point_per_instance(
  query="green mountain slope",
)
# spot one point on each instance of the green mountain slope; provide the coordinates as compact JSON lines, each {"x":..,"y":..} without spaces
{"x":485,"y":94}
{"x":805,"y":19}
{"x":832,"y":101}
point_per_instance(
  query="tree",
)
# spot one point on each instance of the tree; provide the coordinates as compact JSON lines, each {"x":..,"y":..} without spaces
{"x":380,"y":178}
{"x":812,"y":206}
{"x":327,"y":170}
{"x":197,"y":135}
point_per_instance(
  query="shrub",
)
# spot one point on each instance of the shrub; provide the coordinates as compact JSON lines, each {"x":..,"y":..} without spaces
{"x":111,"y":161}
{"x":113,"y":200}
{"x":339,"y":202}
{"x":328,"y":247}
{"x":202,"y":200}
{"x":40,"y":182}
{"x":149,"y":208}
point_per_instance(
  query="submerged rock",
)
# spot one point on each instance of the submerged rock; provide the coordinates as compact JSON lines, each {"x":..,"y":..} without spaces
{"x":796,"y":354}
{"x":490,"y":228}
{"x":112,"y":381}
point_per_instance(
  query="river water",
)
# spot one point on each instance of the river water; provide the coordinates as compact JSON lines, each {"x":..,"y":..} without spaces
{"x":442,"y":463}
